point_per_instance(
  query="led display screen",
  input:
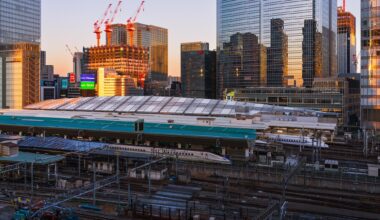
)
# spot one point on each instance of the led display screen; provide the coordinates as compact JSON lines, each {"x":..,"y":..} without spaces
{"x":88,"y":77}
{"x":87,"y":85}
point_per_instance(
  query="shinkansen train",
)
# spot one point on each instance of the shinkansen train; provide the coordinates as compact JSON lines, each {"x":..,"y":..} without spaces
{"x":295,"y":140}
{"x":187,"y":155}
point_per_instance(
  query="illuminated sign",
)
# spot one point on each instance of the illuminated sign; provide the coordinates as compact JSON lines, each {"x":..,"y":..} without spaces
{"x":65,"y":83}
{"x":47,"y":83}
{"x":72,"y":78}
{"x":87,"y":85}
{"x":89,"y":77}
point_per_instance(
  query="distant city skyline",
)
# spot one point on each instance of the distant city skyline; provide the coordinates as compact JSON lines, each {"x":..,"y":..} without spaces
{"x":187,"y":21}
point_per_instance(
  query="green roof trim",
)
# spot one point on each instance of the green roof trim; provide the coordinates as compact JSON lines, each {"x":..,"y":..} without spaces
{"x":129,"y":127}
{"x":25,"y":157}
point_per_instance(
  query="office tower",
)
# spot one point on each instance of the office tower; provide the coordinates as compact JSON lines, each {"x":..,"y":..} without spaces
{"x":119,"y":35}
{"x":277,"y":54}
{"x":19,"y":75}
{"x":125,"y":60}
{"x":42,"y":61}
{"x":241,"y":16}
{"x":156,"y":39}
{"x":198,"y":70}
{"x":46,"y":71}
{"x":241,"y":61}
{"x":370,"y":71}
{"x":78,"y":65}
{"x":347,"y":59}
{"x":20,"y":21}
{"x":311,"y":53}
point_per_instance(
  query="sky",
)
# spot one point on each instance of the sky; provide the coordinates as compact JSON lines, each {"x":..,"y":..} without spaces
{"x":71,"y":22}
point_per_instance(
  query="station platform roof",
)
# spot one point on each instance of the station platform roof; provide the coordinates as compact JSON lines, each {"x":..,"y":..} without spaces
{"x":39,"y":159}
{"x":59,"y":144}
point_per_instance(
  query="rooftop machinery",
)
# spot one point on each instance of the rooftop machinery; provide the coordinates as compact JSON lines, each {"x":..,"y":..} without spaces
{"x":109,"y":22}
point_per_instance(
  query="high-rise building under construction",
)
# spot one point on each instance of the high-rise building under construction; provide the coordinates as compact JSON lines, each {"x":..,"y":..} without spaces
{"x":148,"y":36}
{"x":125,"y":60}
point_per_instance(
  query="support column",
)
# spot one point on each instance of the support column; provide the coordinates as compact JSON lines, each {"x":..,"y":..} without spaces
{"x":31,"y":179}
{"x":56,"y":173}
{"x":79,"y":165}
{"x":94,"y":183}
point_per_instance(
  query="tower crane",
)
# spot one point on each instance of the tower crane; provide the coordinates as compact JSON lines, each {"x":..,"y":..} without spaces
{"x":131,"y":23}
{"x":109,"y":22}
{"x":98,"y":24}
{"x":344,"y":5}
{"x":69,"y":50}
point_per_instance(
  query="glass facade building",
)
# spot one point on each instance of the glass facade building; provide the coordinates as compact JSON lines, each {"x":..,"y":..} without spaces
{"x":20,"y":21}
{"x":370,"y":64}
{"x":258,"y":17}
{"x":347,"y":60}
{"x":198,"y":70}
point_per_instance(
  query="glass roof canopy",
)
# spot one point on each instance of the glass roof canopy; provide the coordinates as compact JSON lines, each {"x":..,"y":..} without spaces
{"x":166,"y":105}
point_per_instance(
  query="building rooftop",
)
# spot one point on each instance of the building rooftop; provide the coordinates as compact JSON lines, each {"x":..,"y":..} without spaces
{"x":165,"y":105}
{"x":61,"y":144}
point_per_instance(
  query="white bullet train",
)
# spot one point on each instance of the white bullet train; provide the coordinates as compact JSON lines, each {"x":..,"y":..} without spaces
{"x":295,"y":140}
{"x":187,"y":155}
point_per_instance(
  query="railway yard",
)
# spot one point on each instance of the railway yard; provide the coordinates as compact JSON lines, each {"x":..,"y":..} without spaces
{"x":94,"y":165}
{"x":243,"y":190}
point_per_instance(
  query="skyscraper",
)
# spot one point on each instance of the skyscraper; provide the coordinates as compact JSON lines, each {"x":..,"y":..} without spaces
{"x":47,"y":71}
{"x":119,"y":35}
{"x":241,"y":16}
{"x":311,"y":53}
{"x":156,"y":39}
{"x":346,"y":42}
{"x":370,"y":70}
{"x":198,"y":70}
{"x":19,"y":75}
{"x":277,"y":54}
{"x":240,"y":61}
{"x":20,"y":21}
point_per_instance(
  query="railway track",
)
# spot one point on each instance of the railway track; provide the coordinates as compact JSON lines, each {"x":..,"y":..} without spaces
{"x":256,"y":194}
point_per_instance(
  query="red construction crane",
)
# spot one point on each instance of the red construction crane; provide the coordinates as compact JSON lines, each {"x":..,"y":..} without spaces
{"x":131,"y":23}
{"x":109,"y":22}
{"x":344,"y":5}
{"x":98,"y":24}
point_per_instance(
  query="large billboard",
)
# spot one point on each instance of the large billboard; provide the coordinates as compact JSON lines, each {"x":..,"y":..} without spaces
{"x":87,"y":85}
{"x":87,"y":77}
